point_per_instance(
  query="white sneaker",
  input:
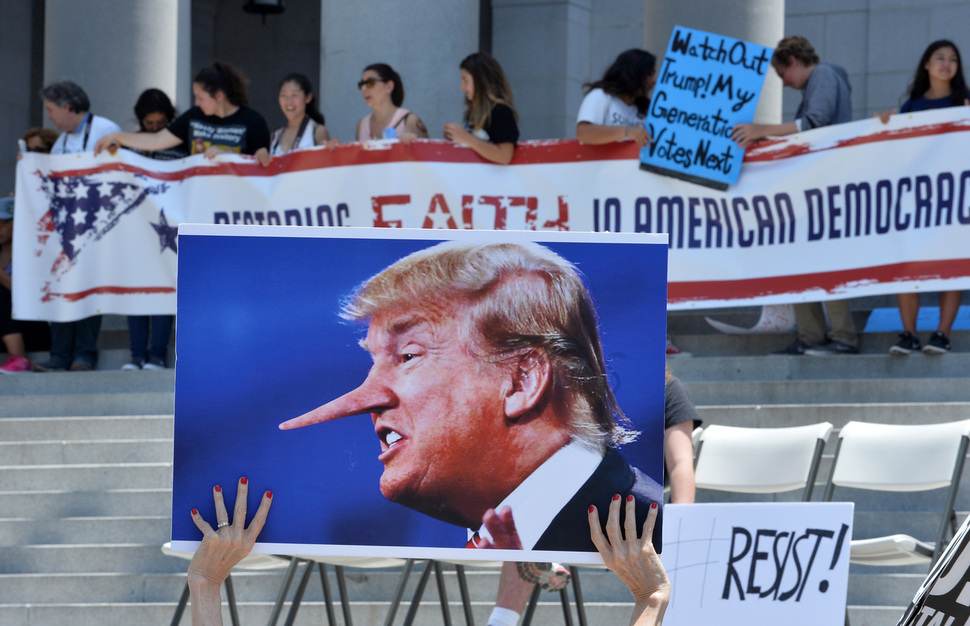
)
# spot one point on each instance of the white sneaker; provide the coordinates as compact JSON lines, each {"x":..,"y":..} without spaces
{"x":131,"y":366}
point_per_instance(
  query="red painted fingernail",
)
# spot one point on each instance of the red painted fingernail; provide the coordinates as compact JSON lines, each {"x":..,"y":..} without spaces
{"x":244,"y":480}
{"x":616,"y":497}
{"x":195,"y":511}
{"x":652,"y":506}
{"x":591,"y":508}
{"x":218,"y":489}
{"x":629,"y":498}
{"x":269,"y":494}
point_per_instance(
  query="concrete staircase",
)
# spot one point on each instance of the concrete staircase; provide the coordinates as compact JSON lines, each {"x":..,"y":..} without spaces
{"x":85,"y":480}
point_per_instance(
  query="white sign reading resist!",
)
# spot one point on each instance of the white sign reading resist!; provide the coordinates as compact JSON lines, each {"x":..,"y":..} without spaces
{"x":757,"y":563}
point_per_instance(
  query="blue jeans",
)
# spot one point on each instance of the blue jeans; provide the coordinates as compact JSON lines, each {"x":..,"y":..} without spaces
{"x":138,"y":334}
{"x":75,"y":342}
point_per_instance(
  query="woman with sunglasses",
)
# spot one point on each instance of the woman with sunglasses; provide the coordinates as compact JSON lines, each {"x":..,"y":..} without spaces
{"x":304,"y":122}
{"x":383,"y":91}
{"x":490,"y":125}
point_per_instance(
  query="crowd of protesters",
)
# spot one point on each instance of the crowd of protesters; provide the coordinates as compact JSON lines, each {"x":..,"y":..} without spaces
{"x":614,"y":109}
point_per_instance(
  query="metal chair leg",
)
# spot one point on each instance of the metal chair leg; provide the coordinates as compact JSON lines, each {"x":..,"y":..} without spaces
{"x":578,"y":593}
{"x":298,"y":595}
{"x":183,"y":600}
{"x":567,"y":612}
{"x":399,"y":594}
{"x":531,"y":608}
{"x":327,"y":598}
{"x":416,"y":600}
{"x":344,"y":600}
{"x":284,"y":589}
{"x":442,"y":593}
{"x":231,"y":597}
{"x":466,"y":602}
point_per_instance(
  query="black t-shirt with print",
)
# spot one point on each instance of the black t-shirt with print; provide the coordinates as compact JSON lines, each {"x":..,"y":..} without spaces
{"x":245,"y":131}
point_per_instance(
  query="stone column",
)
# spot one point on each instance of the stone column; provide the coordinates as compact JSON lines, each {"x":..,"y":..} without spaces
{"x":544,"y":47}
{"x":758,"y":21}
{"x":424,"y":41}
{"x":115,"y":49}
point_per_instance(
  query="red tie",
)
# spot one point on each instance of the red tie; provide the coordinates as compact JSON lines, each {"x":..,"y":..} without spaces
{"x":473,"y":542}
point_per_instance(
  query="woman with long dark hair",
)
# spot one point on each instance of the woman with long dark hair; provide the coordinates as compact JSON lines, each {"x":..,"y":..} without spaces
{"x":490,"y":123}
{"x":937,"y":84}
{"x":220,"y":121}
{"x":383,"y":91}
{"x":615,"y":106}
{"x":305,"y":126}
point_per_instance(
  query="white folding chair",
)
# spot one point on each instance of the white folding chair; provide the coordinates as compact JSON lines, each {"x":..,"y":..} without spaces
{"x":886,"y":457}
{"x":760,"y":460}
{"x":250,"y":562}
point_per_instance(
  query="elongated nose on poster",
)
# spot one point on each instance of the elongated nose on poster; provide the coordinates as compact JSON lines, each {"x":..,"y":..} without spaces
{"x":706,"y":84}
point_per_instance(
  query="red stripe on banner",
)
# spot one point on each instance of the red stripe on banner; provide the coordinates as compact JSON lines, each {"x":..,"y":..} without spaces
{"x":527,"y":153}
{"x":435,"y":151}
{"x":765,"y":151}
{"x":833,"y":282}
{"x":117,"y":291}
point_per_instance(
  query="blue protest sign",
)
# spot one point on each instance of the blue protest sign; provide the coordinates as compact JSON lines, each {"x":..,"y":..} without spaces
{"x":706,"y":84}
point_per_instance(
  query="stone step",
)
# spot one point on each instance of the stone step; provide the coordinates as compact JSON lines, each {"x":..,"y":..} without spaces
{"x":548,"y":613}
{"x":65,"y":503}
{"x":844,"y":391}
{"x":85,"y":452}
{"x":808,"y":368}
{"x":152,"y":530}
{"x":868,"y":615}
{"x":87,"y":558}
{"x":785,"y":415}
{"x":145,"y":403}
{"x":88,"y":393}
{"x":83,"y":383}
{"x":75,"y":428}
{"x":717,"y":344}
{"x":86,"y":477}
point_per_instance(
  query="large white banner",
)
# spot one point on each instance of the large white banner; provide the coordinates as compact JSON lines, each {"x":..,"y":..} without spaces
{"x":854,"y":209}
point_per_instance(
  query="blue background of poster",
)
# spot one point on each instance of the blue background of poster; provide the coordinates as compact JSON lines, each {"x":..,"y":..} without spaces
{"x":260,"y":341}
{"x":693,"y":84}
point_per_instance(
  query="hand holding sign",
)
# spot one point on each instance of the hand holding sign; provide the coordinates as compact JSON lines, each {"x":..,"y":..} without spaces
{"x":633,"y":559}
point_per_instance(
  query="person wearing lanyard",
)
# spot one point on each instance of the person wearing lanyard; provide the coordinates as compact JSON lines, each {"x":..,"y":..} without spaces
{"x":74,"y":345}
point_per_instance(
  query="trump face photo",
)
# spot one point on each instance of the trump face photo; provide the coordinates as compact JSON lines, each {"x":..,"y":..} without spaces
{"x":428,"y":396}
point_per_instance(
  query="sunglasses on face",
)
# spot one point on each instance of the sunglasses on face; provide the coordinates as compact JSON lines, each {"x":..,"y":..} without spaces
{"x":369,"y":82}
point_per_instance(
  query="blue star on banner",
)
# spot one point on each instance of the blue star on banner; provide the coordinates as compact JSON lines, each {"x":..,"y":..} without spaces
{"x":166,"y":234}
{"x":84,"y":209}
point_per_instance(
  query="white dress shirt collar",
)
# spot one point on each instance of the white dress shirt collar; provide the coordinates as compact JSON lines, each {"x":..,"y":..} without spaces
{"x":540,"y":497}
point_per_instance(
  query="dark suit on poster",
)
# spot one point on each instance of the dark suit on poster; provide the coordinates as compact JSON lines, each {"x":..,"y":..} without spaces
{"x":569,"y":530}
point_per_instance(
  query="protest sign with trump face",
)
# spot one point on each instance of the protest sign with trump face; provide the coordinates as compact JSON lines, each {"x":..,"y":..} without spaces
{"x":489,"y":391}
